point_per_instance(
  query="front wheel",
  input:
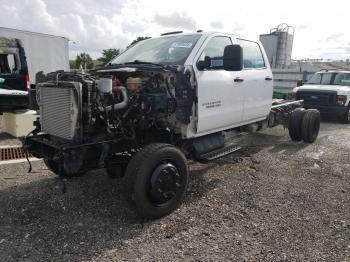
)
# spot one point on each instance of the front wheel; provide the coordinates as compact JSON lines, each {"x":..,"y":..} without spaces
{"x":156,"y":180}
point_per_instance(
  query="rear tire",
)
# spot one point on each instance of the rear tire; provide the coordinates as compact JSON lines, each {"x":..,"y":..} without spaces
{"x":156,"y":179}
{"x":54,"y":168}
{"x":295,"y":122}
{"x":310,"y":125}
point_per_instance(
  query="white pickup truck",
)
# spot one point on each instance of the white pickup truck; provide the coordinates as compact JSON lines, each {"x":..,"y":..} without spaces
{"x":329,"y":92}
{"x":162,"y":101}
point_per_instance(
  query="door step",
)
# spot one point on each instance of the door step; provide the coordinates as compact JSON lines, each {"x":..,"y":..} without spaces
{"x":218,"y":153}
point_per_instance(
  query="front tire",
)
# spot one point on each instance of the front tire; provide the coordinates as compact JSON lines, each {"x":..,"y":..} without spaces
{"x":156,"y":179}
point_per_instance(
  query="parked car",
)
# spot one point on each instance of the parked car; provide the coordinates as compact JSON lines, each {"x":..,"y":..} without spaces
{"x":14,"y":76}
{"x":329,"y":92}
{"x":24,"y":54}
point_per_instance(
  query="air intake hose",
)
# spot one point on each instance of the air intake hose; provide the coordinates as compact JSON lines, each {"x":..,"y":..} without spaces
{"x":122,"y":104}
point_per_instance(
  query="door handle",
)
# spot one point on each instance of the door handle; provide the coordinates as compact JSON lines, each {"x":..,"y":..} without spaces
{"x":268,"y":78}
{"x":237,"y":79}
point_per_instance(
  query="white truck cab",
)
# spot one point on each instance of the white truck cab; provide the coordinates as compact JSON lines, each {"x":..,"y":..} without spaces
{"x":227,"y":99}
{"x":327,"y":91}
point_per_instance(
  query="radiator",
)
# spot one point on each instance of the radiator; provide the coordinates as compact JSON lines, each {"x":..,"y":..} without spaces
{"x":60,"y":109}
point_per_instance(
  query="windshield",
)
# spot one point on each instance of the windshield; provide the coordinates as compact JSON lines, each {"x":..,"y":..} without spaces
{"x":342,"y":79}
{"x":171,"y":50}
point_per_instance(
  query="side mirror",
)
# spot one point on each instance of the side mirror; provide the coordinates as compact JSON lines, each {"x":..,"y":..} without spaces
{"x":233,"y":58}
{"x":201,"y":65}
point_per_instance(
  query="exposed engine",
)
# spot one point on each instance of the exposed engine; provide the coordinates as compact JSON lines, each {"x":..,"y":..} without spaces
{"x":129,"y":106}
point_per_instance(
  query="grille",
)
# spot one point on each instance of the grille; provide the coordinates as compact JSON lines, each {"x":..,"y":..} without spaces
{"x":317,"y":98}
{"x":59,"y":111}
{"x":11,"y":153}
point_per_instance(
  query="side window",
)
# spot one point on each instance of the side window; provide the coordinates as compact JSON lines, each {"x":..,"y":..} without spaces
{"x":7,"y":63}
{"x":215,"y":50}
{"x":342,"y":79}
{"x":326,"y":79}
{"x":252,"y":55}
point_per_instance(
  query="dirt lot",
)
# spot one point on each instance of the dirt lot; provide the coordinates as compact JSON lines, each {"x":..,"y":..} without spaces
{"x":276,"y":201}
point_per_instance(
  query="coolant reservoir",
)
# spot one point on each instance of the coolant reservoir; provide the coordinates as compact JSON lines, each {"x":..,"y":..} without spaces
{"x":105,"y":84}
{"x":133,"y":83}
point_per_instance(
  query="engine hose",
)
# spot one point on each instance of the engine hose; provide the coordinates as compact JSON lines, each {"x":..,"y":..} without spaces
{"x":168,"y":89}
{"x":120,"y":105}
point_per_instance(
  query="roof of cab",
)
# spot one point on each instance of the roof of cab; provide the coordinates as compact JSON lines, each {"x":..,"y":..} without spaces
{"x":199,"y":32}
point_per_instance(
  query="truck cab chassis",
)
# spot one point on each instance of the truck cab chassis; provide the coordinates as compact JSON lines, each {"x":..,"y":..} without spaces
{"x":161,"y":102}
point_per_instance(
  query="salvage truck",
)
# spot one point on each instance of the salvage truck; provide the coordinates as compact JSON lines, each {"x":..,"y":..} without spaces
{"x":159,"y":103}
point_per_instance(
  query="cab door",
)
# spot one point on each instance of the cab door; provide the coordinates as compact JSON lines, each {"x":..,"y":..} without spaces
{"x":219,"y":92}
{"x":258,"y":84}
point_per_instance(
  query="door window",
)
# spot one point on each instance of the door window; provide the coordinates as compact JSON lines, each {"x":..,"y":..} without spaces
{"x":342,"y":79}
{"x":7,"y":63}
{"x":215,"y":51}
{"x":252,"y":55}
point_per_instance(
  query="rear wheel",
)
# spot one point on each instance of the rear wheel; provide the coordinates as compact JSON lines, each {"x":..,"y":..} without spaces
{"x":55,"y":168}
{"x":310,"y":125}
{"x":156,"y":180}
{"x":295,"y":122}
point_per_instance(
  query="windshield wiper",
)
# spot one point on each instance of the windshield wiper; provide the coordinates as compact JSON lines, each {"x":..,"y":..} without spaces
{"x":139,"y":62}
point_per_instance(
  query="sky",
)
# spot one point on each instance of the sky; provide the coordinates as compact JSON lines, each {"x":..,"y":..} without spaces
{"x":321,"y":28}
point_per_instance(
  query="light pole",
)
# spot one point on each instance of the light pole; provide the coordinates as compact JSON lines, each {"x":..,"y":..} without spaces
{"x":74,"y":43}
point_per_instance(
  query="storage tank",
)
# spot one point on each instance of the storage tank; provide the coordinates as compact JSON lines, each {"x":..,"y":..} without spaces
{"x":278,"y":45}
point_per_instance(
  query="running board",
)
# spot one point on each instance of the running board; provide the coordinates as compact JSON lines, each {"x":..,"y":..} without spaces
{"x":218,"y":153}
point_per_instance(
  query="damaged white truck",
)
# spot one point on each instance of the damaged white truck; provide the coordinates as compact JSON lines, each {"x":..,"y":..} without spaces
{"x":161,"y":102}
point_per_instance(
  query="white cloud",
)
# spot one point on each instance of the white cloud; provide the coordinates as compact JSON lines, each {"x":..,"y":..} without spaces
{"x":176,"y":20}
{"x":321,"y":29}
{"x":217,"y":24}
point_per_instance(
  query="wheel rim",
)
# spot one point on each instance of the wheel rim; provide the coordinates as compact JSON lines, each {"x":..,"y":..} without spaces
{"x":165,"y":183}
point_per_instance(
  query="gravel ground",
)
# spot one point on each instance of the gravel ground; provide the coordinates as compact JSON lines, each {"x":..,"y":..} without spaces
{"x":275,"y":200}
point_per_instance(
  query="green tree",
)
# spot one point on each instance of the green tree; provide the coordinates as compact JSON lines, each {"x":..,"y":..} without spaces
{"x":72,"y":64}
{"x":84,"y":60}
{"x":107,"y":55}
{"x":138,"y":39}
